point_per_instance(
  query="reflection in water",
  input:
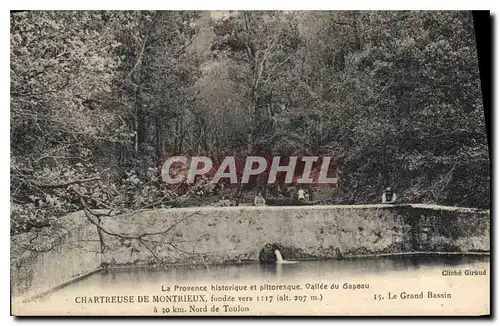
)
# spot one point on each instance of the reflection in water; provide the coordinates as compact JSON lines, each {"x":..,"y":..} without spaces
{"x":403,"y":267}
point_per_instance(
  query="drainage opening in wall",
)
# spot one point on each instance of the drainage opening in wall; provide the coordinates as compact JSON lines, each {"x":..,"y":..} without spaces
{"x":287,"y":253}
{"x":267,"y":254}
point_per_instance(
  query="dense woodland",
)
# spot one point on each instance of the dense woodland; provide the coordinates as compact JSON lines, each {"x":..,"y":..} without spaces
{"x":99,"y":99}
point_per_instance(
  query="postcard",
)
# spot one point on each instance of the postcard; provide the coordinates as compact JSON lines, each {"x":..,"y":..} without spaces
{"x":248,"y":163}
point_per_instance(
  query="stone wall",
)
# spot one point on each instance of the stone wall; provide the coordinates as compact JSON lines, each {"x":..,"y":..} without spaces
{"x":45,"y":259}
{"x":238,"y":234}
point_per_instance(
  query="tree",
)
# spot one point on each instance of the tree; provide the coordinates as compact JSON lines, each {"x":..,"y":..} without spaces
{"x":263,"y":45}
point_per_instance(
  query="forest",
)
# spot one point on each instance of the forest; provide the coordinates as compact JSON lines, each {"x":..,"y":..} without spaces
{"x":99,"y":99}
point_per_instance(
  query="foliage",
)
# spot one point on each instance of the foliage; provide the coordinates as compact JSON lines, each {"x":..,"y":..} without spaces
{"x":99,"y":99}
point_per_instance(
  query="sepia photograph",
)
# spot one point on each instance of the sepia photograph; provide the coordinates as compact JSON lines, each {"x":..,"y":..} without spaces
{"x":248,"y":163}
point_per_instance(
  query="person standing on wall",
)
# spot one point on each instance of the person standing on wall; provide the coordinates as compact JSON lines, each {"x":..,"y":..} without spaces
{"x":259,"y":200}
{"x":301,"y":195}
{"x":388,"y":196}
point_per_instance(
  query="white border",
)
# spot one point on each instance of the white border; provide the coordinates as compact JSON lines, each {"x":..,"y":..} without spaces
{"x":255,"y":4}
{"x":198,"y":5}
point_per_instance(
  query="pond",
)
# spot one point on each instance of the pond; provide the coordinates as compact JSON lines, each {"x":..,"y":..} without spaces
{"x":360,"y":278}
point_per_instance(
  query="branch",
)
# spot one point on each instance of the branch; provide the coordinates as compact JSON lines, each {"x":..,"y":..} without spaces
{"x":139,"y":57}
{"x":262,"y":63}
{"x":54,"y":157}
{"x":274,"y":68}
{"x":170,"y":227}
{"x":37,"y":250}
{"x":64,"y":184}
{"x":191,"y":40}
{"x":149,"y":249}
{"x":141,"y":238}
{"x":23,"y":94}
{"x":341,"y":23}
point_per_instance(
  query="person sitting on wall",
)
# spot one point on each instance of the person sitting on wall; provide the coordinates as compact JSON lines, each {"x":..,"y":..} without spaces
{"x":225,"y":201}
{"x":259,"y":200}
{"x":389,"y":196}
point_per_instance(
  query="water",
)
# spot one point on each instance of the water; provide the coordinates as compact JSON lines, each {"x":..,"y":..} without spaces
{"x":143,"y":277}
{"x":397,"y":273}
